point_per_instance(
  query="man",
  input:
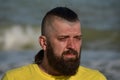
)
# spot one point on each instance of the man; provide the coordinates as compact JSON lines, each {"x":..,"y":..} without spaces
{"x":59,"y":59}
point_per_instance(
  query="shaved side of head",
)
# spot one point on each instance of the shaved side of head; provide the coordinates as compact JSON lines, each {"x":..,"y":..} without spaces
{"x":62,"y":13}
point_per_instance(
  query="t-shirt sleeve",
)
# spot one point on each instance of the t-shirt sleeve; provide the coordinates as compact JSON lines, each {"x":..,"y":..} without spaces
{"x":7,"y":76}
{"x":100,"y":76}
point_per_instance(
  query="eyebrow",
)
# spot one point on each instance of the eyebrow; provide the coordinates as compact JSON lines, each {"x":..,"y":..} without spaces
{"x":63,"y":36}
{"x":66,"y":36}
{"x":79,"y":35}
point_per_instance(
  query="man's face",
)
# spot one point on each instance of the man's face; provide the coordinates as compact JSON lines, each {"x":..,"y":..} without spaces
{"x":64,"y":46}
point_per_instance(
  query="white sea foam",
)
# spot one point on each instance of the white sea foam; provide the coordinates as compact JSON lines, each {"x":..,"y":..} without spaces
{"x":17,"y":37}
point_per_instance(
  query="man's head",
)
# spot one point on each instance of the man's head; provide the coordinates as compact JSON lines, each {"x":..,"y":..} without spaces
{"x":61,"y":40}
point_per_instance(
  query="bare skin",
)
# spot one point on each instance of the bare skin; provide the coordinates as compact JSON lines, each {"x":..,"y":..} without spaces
{"x":62,"y":35}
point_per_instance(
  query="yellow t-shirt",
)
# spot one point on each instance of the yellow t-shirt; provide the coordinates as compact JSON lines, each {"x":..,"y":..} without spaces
{"x":33,"y":72}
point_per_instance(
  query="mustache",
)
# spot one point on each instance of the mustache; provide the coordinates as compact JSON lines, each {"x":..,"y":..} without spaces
{"x":70,"y":51}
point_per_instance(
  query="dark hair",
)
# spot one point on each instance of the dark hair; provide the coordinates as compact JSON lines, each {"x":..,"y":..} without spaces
{"x":39,"y":56}
{"x":62,"y":12}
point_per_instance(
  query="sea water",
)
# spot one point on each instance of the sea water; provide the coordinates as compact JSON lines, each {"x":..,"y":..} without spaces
{"x":106,"y":61}
{"x":101,"y":14}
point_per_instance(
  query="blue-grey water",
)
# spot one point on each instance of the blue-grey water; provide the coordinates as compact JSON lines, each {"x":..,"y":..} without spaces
{"x":108,"y":62}
{"x":100,"y":14}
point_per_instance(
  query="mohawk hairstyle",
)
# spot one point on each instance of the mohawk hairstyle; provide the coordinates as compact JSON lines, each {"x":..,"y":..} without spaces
{"x":62,"y":12}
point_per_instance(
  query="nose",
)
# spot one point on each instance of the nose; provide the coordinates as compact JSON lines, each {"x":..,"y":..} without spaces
{"x":71,"y":44}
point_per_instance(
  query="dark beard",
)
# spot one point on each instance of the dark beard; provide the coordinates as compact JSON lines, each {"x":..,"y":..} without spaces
{"x":64,"y":67}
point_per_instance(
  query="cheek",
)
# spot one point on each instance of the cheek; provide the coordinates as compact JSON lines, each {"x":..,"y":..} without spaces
{"x":78,"y":46}
{"x":58,"y":48}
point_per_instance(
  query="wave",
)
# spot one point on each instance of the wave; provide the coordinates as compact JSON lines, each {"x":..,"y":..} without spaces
{"x":18,"y":37}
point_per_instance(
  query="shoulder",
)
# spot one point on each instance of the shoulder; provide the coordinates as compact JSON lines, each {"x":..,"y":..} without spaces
{"x":90,"y":74}
{"x":21,"y":69}
{"x":24,"y":70}
{"x":88,"y":70}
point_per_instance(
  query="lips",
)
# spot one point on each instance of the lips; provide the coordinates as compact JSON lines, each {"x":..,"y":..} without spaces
{"x":69,"y":55}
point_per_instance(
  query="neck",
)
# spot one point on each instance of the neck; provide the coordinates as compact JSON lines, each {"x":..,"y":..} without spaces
{"x":47,"y":68}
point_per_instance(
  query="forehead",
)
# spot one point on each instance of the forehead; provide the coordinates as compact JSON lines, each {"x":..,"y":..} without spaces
{"x":63,"y":27}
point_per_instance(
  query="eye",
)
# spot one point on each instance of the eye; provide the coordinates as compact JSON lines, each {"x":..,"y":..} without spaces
{"x":78,"y":37}
{"x":62,"y":38}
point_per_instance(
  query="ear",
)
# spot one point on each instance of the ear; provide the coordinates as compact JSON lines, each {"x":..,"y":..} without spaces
{"x":42,"y":42}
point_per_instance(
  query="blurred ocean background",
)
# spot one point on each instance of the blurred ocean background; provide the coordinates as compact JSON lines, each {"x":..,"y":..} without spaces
{"x":20,"y":28}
